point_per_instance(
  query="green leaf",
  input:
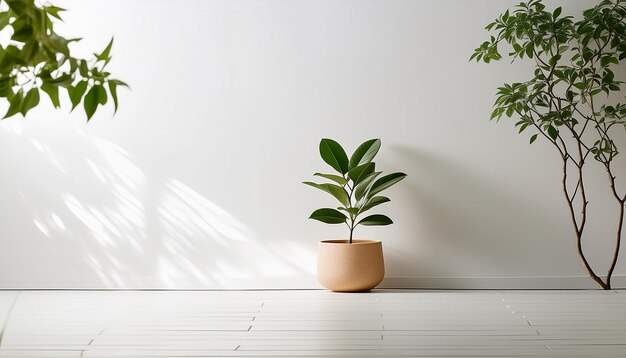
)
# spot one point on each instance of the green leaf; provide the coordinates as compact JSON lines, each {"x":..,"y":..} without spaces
{"x":328,"y":216}
{"x":53,"y":93}
{"x":365,"y":153}
{"x":29,"y":51}
{"x":104,"y":55}
{"x":375,"y":220}
{"x":4,"y":19}
{"x":76,"y":93}
{"x":83,"y":69}
{"x":102,"y":94}
{"x":334,"y":155}
{"x":357,"y":174}
{"x":533,"y":138}
{"x":364,"y":185}
{"x":338,"y":192}
{"x":6,"y":86}
{"x":554,"y":60}
{"x":91,"y":102}
{"x":54,"y":11}
{"x":529,"y":49}
{"x":30,"y":101}
{"x":385,"y":182}
{"x":113,"y":90}
{"x":336,"y":178}
{"x":23,"y":31}
{"x":553,"y":132}
{"x":351,"y":211}
{"x":372,"y":202}
{"x":15,"y":105}
{"x":556,"y":12}
{"x":64,"y":80}
{"x":120,"y":83}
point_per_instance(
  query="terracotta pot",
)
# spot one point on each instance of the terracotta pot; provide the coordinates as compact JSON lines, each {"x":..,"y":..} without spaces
{"x":345,"y":267}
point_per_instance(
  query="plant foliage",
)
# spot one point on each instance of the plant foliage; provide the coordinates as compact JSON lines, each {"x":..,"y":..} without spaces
{"x":569,"y":100}
{"x":355,"y":185}
{"x":37,"y":59}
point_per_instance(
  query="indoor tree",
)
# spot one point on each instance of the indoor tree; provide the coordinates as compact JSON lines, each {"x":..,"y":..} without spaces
{"x":571,"y":100}
{"x":36,"y":59}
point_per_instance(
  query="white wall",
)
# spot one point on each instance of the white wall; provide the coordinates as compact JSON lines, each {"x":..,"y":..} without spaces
{"x":196,"y":182}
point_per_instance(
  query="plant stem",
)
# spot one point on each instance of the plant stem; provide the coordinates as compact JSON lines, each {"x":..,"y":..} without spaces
{"x":579,"y":229}
{"x":620,"y":224}
{"x":617,"y":244}
{"x":351,"y":230}
{"x":352,"y":216}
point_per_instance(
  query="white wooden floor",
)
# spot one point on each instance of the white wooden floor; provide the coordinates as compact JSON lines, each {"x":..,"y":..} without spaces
{"x":313,"y":323}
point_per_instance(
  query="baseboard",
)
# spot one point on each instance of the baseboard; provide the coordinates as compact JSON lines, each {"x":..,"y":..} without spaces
{"x":307,"y":282}
{"x":535,"y":282}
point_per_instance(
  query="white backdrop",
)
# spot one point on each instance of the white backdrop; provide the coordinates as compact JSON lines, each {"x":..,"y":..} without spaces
{"x":196,"y":182}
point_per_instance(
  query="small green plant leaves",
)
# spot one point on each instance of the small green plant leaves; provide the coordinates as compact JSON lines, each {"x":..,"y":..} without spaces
{"x":328,"y":216}
{"x":377,"y":219}
{"x":533,"y":138}
{"x":336,"y":178}
{"x":365,"y":153}
{"x":357,"y":174}
{"x":355,"y":187}
{"x":38,"y":60}
{"x":385,"y":182}
{"x":334,"y":155}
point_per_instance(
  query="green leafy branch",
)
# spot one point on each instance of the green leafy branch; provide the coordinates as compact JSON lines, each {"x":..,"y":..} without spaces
{"x":355,"y":185}
{"x":37,"y":60}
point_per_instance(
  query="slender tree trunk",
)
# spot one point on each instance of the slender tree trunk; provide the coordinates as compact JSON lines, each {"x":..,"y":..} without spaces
{"x":618,"y":240}
{"x":579,"y":228}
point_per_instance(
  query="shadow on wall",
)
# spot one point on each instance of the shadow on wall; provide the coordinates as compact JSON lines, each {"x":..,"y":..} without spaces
{"x":472,"y":225}
{"x":99,"y":210}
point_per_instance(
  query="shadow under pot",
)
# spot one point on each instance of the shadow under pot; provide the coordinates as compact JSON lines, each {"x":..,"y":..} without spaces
{"x":345,"y":267}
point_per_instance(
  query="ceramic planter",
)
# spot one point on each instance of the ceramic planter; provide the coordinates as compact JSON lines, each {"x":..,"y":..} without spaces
{"x":345,"y":267}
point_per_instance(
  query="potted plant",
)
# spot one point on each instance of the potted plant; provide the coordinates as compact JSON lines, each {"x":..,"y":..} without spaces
{"x":350,"y":265}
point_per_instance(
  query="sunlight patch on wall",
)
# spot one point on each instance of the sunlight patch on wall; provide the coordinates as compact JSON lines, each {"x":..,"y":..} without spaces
{"x":129,"y":229}
{"x":204,"y":240}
